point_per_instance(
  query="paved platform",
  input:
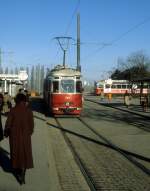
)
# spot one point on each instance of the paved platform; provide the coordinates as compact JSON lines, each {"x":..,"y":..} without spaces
{"x":118,"y":102}
{"x":54,"y":166}
{"x":40,"y":178}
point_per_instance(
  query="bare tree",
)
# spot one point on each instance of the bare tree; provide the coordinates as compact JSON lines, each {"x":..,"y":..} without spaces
{"x":16,"y":70}
{"x":1,"y":69}
{"x":32,"y":78}
{"x":6,"y":70}
{"x":28,"y":80}
{"x":11,"y":71}
{"x":42,"y":78}
{"x":137,"y":65}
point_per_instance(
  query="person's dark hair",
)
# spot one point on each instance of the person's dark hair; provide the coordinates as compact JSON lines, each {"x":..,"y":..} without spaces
{"x":26,"y":91}
{"x":20,"y":98}
{"x":1,"y":101}
{"x":1,"y":96}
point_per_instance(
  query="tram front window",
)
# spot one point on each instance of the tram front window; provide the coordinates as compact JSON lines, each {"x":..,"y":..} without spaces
{"x":79,"y":86}
{"x":67,"y":86}
{"x":107,"y":86}
{"x":55,"y":86}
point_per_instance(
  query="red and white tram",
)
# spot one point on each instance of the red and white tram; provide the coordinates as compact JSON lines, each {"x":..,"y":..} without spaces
{"x":119,"y":87}
{"x":98,"y":87}
{"x":63,"y":91}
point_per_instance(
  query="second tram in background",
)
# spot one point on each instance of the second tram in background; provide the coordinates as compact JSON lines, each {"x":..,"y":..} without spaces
{"x":63,"y":91}
{"x":119,"y":87}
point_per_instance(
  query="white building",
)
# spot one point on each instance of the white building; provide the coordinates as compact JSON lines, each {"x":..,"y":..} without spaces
{"x":10,"y":82}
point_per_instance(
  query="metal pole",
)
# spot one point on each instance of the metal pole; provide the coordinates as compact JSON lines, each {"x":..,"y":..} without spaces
{"x":78,"y":42}
{"x":64,"y":49}
{"x":64,"y":59}
{"x":5,"y":87}
{"x":10,"y":87}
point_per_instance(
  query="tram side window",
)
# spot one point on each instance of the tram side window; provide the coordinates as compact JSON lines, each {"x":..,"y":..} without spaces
{"x":49,"y":85}
{"x":124,"y":86}
{"x":55,"y":86}
{"x":118,"y":86}
{"x":145,"y":86}
{"x":46,"y":85}
{"x":113,"y":86}
{"x":78,"y":87}
{"x":139,"y":86}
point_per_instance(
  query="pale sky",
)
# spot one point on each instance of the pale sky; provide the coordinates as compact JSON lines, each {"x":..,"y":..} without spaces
{"x":109,"y":29}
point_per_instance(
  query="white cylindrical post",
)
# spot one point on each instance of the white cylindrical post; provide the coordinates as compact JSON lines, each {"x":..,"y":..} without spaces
{"x":10,"y":87}
{"x":5,"y":87}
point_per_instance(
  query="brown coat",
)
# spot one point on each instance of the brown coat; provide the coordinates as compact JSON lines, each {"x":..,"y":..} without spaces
{"x":19,"y":126}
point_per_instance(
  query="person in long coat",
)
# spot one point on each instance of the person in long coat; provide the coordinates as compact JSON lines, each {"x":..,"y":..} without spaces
{"x":127,"y":99}
{"x":19,"y":127}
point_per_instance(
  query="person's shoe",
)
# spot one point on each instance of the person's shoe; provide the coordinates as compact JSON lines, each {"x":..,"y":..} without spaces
{"x":20,"y":179}
{"x":23,"y":175}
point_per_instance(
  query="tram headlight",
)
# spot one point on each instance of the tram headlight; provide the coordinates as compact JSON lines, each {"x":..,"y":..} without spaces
{"x":67,"y":103}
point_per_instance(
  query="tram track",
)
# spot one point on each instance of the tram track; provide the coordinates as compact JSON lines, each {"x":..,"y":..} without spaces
{"x":86,"y":175}
{"x":125,"y":153}
{"x":108,"y":144}
{"x":92,"y":181}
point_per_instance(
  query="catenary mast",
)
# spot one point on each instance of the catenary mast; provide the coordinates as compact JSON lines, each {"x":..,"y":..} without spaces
{"x":78,"y":43}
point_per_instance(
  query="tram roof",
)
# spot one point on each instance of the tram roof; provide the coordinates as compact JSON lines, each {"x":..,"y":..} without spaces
{"x":63,"y":71}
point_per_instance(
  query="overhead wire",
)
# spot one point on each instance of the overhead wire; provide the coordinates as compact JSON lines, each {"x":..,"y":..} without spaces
{"x":70,"y":22}
{"x":119,"y":37}
{"x":73,"y":14}
{"x":131,"y":29}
